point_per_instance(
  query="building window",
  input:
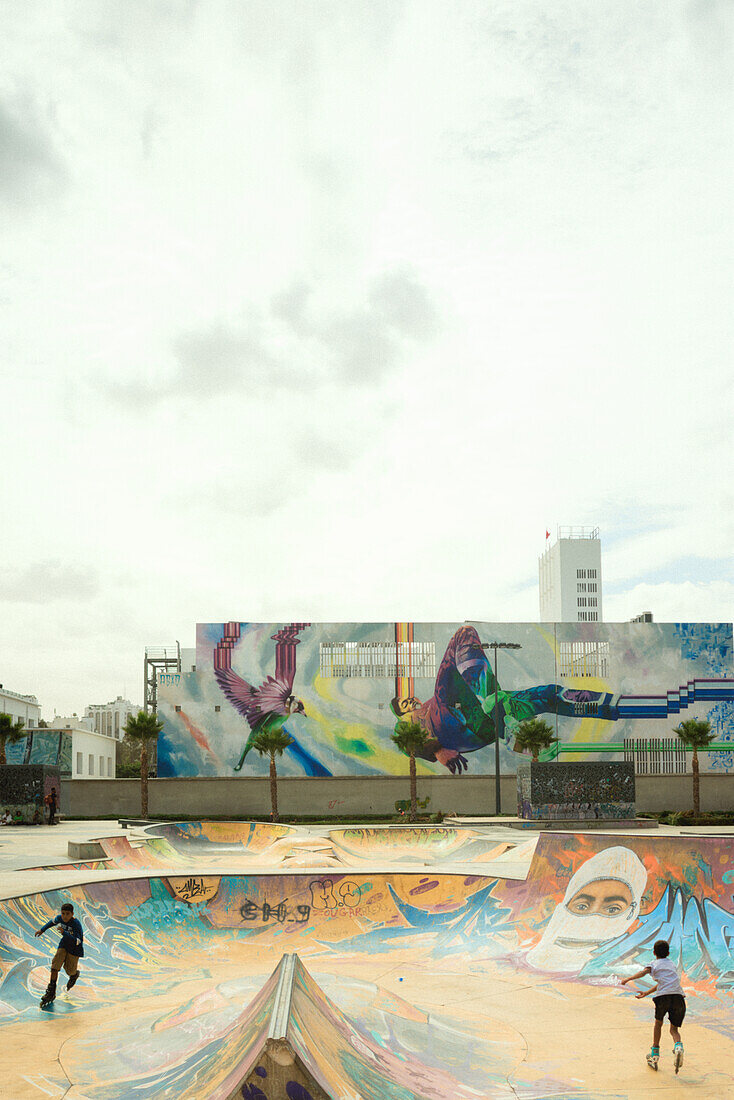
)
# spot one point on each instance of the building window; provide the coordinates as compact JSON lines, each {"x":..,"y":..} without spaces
{"x":91,"y":764}
{"x":178,"y":710}
{"x":592,"y":573}
{"x":117,"y":722}
{"x":380,"y":660}
{"x":217,"y":709}
{"x":583,"y":659}
{"x":101,"y":765}
{"x":80,"y":763}
{"x":109,"y":766}
{"x":31,"y":723}
{"x":581,"y":601}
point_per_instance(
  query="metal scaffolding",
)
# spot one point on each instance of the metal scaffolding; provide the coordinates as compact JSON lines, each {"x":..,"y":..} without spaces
{"x":158,"y":658}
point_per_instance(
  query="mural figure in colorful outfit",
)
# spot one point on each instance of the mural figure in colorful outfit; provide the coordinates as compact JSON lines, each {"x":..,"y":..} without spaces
{"x":268,"y":707}
{"x":459,"y":716}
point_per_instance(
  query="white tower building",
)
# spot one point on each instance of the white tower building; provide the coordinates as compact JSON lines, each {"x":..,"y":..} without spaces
{"x":570,"y":577}
{"x":109,"y":718}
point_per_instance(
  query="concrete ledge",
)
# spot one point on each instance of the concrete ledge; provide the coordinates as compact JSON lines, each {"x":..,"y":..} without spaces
{"x":604,"y":825}
{"x":86,"y":849}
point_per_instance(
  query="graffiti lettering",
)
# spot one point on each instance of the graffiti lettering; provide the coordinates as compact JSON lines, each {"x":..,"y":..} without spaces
{"x":327,"y":895}
{"x":280,"y":913}
{"x":192,"y":888}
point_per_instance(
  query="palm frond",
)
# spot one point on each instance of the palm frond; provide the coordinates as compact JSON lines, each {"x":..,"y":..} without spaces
{"x":409,"y":737}
{"x":695,"y":734}
{"x":535,"y":734}
{"x":9,"y":730}
{"x":144,"y":727}
{"x":271,"y":742}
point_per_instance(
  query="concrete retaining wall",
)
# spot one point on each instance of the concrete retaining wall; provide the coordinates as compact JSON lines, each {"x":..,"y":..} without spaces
{"x":352,"y":795}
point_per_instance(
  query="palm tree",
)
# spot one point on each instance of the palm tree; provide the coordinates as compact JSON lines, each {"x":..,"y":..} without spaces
{"x":535,"y":734}
{"x":695,"y":735}
{"x":141,"y":730}
{"x":9,"y":731}
{"x":272,"y":743}
{"x":410,"y":738}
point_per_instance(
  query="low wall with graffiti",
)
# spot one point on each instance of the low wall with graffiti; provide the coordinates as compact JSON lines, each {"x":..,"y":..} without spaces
{"x":581,"y":792}
{"x":23,"y":789}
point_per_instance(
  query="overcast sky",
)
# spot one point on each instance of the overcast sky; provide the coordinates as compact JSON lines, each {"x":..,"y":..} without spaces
{"x":326,"y":310}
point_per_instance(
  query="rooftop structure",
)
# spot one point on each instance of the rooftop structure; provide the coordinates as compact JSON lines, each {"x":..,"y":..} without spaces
{"x":570,"y":577}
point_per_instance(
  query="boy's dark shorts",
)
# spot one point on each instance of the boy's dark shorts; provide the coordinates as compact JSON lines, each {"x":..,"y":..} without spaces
{"x":672,"y":1005}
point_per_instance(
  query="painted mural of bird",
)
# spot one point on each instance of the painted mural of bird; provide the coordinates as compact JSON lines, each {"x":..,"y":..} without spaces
{"x":269,"y":706}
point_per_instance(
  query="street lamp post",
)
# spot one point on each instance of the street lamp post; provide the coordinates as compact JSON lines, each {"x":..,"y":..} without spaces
{"x":495,"y":646}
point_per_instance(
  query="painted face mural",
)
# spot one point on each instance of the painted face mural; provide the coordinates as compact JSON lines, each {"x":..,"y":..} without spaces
{"x":601,"y":902}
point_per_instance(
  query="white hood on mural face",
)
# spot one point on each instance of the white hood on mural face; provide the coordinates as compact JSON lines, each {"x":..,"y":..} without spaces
{"x":570,"y":939}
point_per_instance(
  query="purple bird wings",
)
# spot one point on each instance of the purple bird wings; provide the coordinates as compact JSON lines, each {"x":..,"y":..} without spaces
{"x":271,"y":698}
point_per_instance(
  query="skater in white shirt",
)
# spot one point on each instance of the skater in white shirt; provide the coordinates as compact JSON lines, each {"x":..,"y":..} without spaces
{"x":668,"y":999}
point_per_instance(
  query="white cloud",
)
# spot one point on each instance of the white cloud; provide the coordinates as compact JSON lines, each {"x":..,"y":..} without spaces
{"x":340,"y":331}
{"x":675,"y":602}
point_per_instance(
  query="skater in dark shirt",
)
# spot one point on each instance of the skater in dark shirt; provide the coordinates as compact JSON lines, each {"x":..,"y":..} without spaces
{"x":71,"y":949}
{"x":668,"y":999}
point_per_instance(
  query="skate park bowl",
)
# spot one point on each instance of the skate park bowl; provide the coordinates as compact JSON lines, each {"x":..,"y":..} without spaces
{"x":238,"y":845}
{"x":243,"y":845}
{"x":362,"y":984}
{"x":423,"y":844}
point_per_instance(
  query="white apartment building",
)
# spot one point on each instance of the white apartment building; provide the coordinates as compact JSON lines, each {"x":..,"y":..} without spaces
{"x":109,"y":719}
{"x":570,"y":577}
{"x":25,"y":707}
{"x":93,"y":755}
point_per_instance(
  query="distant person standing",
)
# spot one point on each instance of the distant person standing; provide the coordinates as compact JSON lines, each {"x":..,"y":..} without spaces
{"x":51,"y":804}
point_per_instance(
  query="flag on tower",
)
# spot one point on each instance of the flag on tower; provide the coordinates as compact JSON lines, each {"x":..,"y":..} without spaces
{"x":547,"y":534}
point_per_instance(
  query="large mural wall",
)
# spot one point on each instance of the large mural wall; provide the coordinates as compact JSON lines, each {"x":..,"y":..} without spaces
{"x":338,"y":690}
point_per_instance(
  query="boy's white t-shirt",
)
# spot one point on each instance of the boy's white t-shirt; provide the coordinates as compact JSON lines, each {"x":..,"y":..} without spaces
{"x":665,"y":974}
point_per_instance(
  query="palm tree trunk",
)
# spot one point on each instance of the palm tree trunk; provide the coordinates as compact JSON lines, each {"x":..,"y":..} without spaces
{"x":413,"y":790}
{"x":3,"y":759}
{"x":273,"y":789}
{"x":144,"y":778}
{"x":696,"y":784}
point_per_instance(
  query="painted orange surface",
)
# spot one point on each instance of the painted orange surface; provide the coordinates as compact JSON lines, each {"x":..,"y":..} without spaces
{"x":455,"y":985}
